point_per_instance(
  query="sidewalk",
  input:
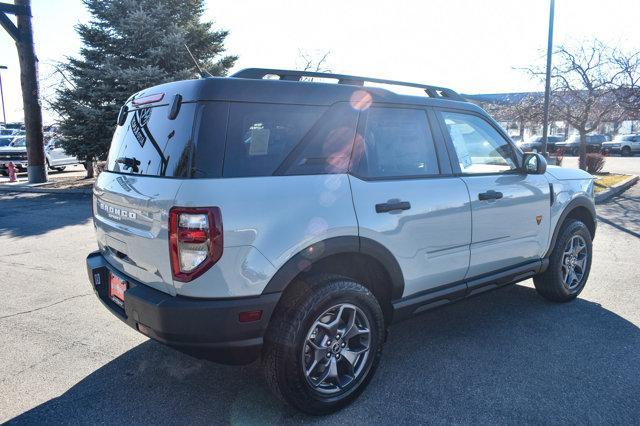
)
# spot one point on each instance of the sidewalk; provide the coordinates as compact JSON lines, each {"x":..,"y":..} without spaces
{"x":70,"y":181}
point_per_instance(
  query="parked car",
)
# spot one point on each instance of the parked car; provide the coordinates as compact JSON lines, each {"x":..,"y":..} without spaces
{"x":247,"y":218}
{"x":534,"y":144}
{"x":8,"y":132}
{"x":572,"y":145}
{"x":6,"y":140}
{"x":55,"y":156}
{"x":627,"y":145}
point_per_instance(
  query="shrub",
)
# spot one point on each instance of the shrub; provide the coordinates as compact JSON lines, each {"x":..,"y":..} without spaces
{"x":595,"y":162}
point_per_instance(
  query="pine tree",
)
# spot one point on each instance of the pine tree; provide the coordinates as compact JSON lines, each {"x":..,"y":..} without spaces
{"x":129,"y":45}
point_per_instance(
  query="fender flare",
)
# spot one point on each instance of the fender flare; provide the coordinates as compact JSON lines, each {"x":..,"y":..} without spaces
{"x":302,"y":260}
{"x":579,"y":201}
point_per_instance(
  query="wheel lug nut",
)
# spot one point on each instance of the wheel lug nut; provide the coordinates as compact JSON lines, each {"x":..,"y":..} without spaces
{"x":328,"y":343}
{"x":338,"y":356}
{"x":343,"y":344}
{"x":328,"y":355}
{"x":337,"y":337}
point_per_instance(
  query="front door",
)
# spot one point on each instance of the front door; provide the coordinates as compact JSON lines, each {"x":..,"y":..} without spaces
{"x":403,"y":201}
{"x":510,"y":209}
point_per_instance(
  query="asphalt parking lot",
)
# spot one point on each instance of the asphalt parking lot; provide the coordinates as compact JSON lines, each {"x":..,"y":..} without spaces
{"x":502,"y":357}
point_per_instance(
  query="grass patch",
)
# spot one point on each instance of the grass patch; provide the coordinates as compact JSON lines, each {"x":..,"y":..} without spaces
{"x":603,"y":182}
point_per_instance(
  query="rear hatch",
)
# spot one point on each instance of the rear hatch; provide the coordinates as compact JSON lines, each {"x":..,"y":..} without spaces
{"x":149,"y":157}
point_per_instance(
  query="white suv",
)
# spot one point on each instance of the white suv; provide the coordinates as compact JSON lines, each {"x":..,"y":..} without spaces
{"x":291,"y":221}
{"x":626,"y":145}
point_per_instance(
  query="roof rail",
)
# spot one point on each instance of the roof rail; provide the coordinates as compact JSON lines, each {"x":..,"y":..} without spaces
{"x":294,"y":75}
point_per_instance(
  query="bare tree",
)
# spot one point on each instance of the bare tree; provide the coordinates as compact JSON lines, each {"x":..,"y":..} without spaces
{"x":314,"y":61}
{"x":628,"y":92}
{"x":585,"y":81}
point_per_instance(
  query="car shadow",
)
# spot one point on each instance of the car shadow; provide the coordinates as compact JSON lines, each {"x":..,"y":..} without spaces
{"x":502,"y":357}
{"x":29,"y":214}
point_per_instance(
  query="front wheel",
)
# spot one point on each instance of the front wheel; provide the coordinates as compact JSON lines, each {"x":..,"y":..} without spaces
{"x":323,"y":345}
{"x":569,"y":264}
{"x":626,"y":151}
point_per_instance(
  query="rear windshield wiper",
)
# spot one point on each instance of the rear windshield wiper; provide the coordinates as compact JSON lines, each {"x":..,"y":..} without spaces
{"x":129,"y":162}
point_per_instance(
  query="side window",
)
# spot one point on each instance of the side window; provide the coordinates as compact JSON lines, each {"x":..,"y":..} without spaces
{"x":261,"y":136}
{"x":397,"y":142}
{"x":479,"y":147}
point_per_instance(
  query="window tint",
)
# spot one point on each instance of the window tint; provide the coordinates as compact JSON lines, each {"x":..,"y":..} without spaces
{"x":397,"y":142}
{"x":148,"y":143}
{"x":261,"y":136}
{"x":327,"y":147}
{"x":479,"y":147}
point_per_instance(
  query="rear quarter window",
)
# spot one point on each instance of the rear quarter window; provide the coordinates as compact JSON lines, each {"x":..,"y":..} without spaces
{"x":268,"y":139}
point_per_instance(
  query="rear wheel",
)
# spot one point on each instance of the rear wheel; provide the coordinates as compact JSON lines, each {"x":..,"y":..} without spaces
{"x":569,"y":264}
{"x":323,"y":345}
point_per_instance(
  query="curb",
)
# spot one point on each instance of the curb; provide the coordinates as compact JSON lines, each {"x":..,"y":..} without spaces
{"x":618,"y":189}
{"x":40,"y":190}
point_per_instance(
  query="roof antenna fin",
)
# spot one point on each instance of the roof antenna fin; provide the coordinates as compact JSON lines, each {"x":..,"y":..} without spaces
{"x":203,"y":74}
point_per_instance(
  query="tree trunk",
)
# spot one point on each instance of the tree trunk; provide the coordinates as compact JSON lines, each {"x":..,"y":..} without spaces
{"x":582,"y":163}
{"x":31,"y":98}
{"x":89,"y":167}
{"x":566,"y":130}
{"x":522,"y":130}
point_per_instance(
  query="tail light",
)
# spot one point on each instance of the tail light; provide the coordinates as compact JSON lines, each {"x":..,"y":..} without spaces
{"x":195,"y":240}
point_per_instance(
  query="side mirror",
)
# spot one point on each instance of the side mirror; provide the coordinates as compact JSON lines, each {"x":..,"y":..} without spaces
{"x":534,"y":163}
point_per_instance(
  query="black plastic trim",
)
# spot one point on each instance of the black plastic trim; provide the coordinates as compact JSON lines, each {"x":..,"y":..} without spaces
{"x":333,"y":246}
{"x":439,"y":296}
{"x":204,"y":328}
{"x":579,"y":201}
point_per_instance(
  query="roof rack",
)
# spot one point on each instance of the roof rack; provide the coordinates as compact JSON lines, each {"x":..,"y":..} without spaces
{"x":294,"y":75}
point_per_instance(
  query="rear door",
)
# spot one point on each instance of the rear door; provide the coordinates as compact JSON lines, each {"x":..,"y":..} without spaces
{"x":148,"y":159}
{"x":510,"y":209}
{"x":407,"y":200}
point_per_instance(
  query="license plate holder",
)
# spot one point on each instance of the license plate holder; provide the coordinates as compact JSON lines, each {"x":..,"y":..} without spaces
{"x":117,"y":288}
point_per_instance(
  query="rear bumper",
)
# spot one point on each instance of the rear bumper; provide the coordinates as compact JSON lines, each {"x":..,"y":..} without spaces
{"x":203,"y":328}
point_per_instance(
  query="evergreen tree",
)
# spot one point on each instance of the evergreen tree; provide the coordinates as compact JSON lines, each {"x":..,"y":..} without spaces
{"x":130,"y":45}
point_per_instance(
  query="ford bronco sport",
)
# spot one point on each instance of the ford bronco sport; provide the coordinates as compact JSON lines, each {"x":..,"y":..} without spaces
{"x":260,"y":216}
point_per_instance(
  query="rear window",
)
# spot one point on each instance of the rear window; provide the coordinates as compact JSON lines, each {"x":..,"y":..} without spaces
{"x":150,"y":144}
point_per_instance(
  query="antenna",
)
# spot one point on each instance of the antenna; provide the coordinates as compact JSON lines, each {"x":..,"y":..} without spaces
{"x":203,"y":74}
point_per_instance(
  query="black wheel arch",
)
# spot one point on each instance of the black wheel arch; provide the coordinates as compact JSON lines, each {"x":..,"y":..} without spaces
{"x":359,"y":258}
{"x":580,"y":208}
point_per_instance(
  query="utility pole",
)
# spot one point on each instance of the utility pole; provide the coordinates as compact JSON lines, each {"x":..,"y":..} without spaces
{"x":4,"y":111}
{"x":547,"y":83}
{"x":22,"y":34}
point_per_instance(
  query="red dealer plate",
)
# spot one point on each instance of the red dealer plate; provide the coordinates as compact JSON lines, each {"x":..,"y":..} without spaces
{"x":117,"y":287}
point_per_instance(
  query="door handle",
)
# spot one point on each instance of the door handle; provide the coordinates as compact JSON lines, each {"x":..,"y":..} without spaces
{"x":489,"y":195}
{"x":388,"y":207}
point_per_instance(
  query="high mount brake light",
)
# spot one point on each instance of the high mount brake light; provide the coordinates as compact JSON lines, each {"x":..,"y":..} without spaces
{"x":195,"y":240}
{"x":149,"y":99}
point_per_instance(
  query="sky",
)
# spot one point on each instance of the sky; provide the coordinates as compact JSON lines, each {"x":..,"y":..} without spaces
{"x":471,"y":46}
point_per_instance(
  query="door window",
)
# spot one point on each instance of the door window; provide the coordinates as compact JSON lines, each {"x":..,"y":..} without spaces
{"x":397,"y":143}
{"x":479,"y":147}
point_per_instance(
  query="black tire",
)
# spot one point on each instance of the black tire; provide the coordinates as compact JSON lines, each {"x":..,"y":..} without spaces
{"x":60,"y":169}
{"x":626,"y":151}
{"x":575,"y":151}
{"x":550,"y":284}
{"x":286,"y":338}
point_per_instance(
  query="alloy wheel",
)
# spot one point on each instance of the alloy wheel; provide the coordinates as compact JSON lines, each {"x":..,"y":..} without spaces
{"x":336,"y":349}
{"x":574,"y":262}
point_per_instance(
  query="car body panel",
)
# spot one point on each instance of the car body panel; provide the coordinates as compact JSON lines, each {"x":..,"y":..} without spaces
{"x":431,"y":239}
{"x":278,"y":216}
{"x":513,"y":229}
